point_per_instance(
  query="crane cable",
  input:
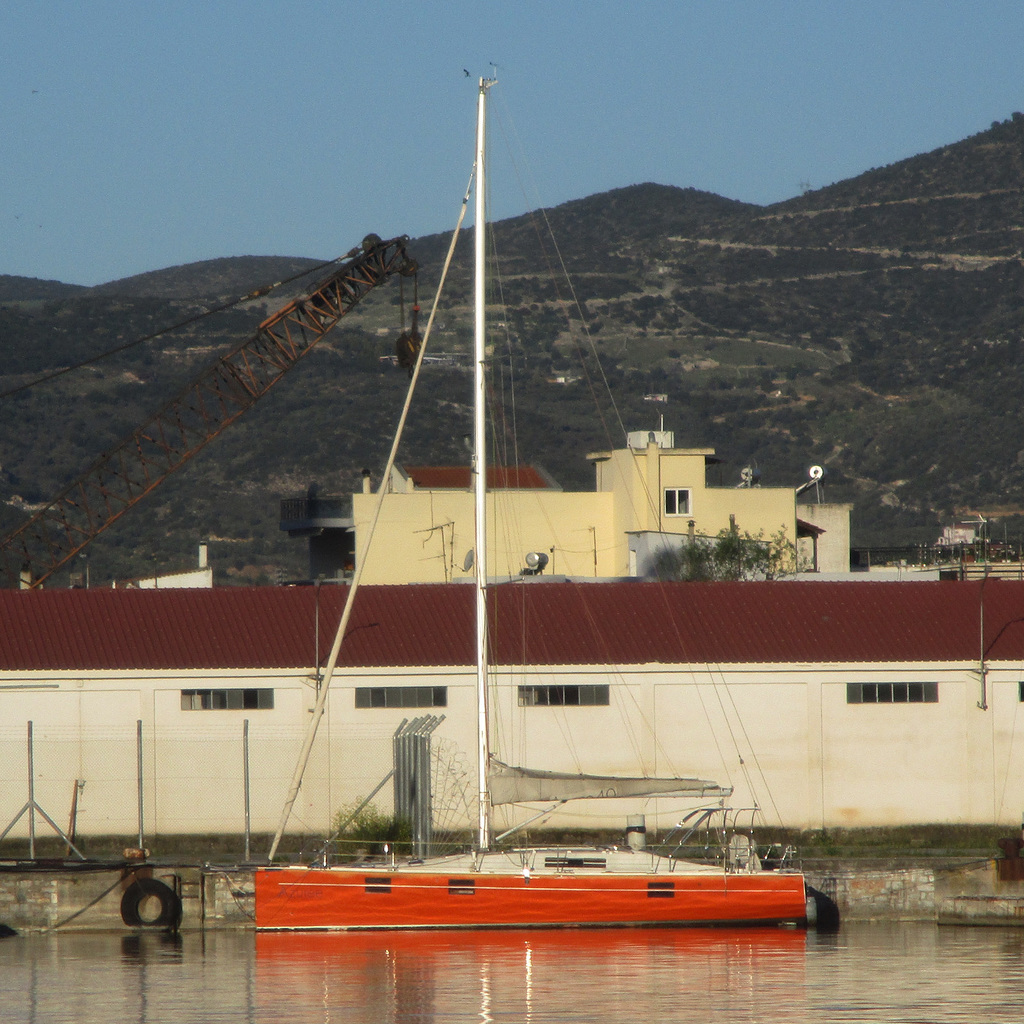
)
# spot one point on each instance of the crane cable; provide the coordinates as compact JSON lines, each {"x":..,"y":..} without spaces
{"x":255,"y":294}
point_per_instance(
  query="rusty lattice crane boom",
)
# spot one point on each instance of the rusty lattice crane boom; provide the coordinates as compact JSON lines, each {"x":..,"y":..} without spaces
{"x":134,"y":467}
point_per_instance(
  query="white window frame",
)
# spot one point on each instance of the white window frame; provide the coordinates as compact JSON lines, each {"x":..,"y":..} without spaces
{"x":232,"y":698}
{"x":675,"y":493}
{"x":893,"y":693}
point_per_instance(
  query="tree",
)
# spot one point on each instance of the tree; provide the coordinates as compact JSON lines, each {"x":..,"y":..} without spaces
{"x":729,"y":556}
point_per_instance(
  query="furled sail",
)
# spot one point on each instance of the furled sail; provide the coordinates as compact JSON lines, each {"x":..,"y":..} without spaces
{"x":508,"y":785}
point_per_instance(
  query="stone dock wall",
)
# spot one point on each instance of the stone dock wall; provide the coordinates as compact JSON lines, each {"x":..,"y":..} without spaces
{"x":950,"y":893}
{"x":85,"y":900}
{"x":63,"y":899}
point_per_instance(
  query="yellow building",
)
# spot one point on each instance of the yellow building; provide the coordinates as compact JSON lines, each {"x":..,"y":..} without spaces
{"x":426,"y":535}
{"x":648,"y":497}
{"x":660,"y":492}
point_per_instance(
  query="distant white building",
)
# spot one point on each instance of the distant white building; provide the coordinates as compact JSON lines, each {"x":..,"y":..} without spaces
{"x":200,"y":577}
{"x":957,"y":536}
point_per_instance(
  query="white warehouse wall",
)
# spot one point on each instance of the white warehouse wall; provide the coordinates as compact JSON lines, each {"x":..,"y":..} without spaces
{"x":783,"y":735}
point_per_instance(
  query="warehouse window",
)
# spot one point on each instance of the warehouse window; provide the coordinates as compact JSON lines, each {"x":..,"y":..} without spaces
{"x":677,"y":501}
{"x":227,"y":700}
{"x":563,"y":696}
{"x":892,"y":693}
{"x":401,"y":696}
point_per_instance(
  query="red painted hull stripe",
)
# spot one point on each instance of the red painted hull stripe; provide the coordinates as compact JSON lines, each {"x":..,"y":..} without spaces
{"x":325,"y":899}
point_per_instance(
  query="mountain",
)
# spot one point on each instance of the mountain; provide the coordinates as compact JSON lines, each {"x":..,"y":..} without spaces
{"x":874,"y":327}
{"x":213,"y":279}
{"x":28,"y":289}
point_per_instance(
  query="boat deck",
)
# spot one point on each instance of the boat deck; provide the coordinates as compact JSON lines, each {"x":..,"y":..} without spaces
{"x":553,"y":860}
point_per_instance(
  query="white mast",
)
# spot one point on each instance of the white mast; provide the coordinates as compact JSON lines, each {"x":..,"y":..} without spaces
{"x":480,"y":473}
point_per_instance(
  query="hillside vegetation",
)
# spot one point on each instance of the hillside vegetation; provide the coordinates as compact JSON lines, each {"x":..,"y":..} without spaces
{"x":873,"y":327}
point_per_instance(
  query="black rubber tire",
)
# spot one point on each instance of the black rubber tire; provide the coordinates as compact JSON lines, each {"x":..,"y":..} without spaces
{"x":826,"y":912}
{"x":150,"y":903}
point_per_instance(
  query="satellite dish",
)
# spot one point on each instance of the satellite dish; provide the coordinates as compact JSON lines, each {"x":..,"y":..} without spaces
{"x":467,"y":562}
{"x":535,"y":562}
{"x":815,"y":473}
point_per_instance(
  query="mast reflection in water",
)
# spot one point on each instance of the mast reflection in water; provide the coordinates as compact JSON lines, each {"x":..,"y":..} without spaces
{"x":866,"y":973}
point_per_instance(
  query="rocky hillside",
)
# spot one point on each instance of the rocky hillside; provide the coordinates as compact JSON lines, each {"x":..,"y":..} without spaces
{"x":873,"y":327}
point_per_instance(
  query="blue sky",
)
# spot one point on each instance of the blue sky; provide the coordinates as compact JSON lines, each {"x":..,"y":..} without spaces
{"x":136,"y":136}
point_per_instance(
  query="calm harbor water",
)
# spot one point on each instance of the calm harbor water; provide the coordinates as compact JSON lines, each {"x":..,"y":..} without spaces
{"x":866,"y":973}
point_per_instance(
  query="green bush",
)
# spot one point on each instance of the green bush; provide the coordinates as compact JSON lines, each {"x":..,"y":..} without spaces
{"x":369,"y":829}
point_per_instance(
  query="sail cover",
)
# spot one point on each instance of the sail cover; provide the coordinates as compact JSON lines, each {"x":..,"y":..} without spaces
{"x":508,"y":785}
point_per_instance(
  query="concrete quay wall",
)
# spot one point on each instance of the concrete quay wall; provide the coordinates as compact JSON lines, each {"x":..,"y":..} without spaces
{"x":966,"y":893}
{"x":39,"y":900}
{"x":35,"y":900}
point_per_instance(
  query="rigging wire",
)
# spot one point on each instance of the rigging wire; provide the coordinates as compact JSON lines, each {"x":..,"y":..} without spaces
{"x":727,"y":700}
{"x":508,"y":431}
{"x":533,"y":212}
{"x":544,"y":233}
{"x":257,"y":293}
{"x":332,"y":660}
{"x":750,"y":748}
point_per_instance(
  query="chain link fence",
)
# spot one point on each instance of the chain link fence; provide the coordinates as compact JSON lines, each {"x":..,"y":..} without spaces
{"x":219,"y":788}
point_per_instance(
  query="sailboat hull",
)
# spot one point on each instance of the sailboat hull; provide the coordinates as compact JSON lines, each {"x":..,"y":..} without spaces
{"x":344,"y":899}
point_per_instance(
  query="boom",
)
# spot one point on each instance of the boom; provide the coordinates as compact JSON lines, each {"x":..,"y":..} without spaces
{"x":217,"y":397}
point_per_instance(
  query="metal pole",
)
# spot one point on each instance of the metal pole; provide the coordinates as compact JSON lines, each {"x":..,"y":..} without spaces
{"x":31,"y":798}
{"x":480,"y":472}
{"x":982,"y":670}
{"x":245,"y":760}
{"x":138,"y":776}
{"x":423,"y":807}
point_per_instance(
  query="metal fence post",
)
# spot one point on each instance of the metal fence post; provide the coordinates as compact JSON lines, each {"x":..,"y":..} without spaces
{"x":245,"y":772}
{"x":138,"y":776}
{"x":31,"y":797}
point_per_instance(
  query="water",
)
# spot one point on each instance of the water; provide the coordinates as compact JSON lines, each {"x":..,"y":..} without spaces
{"x":867,"y":973}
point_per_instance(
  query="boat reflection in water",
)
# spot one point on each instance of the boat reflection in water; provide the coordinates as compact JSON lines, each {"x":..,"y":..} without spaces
{"x":593,"y":975}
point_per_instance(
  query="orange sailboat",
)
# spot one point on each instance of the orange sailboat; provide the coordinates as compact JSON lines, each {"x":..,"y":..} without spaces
{"x":622,"y":886}
{"x":555,"y":888}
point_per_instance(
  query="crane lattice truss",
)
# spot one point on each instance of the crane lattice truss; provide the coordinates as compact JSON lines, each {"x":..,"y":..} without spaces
{"x":134,"y":467}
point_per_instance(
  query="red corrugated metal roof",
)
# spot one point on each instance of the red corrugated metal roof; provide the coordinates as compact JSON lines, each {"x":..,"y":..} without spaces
{"x":459,"y":478}
{"x":541,"y":623}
